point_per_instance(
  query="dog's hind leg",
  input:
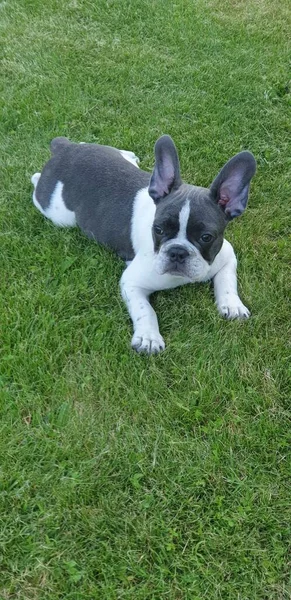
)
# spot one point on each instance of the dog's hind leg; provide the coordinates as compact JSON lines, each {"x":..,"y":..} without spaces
{"x":34,"y":181}
{"x":53,"y":207}
{"x":130,"y":156}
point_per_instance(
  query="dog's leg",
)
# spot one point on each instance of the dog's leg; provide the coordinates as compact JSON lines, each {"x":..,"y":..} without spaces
{"x":146,"y":337}
{"x":35,"y":178}
{"x":57,"y":211}
{"x":227,"y":299}
{"x":34,"y":181}
{"x":130,"y":156}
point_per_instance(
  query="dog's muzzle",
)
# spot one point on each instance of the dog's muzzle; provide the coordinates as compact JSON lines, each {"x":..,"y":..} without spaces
{"x":183,"y":260}
{"x":175,"y":259}
{"x":177,"y":254}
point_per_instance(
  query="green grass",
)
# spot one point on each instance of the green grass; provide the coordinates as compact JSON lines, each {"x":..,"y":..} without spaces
{"x":121,"y":476}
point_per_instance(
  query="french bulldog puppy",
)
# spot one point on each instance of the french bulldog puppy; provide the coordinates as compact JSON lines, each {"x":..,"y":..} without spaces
{"x":169,"y":232}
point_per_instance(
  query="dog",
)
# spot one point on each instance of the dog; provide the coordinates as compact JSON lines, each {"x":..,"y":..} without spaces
{"x":169,"y":232}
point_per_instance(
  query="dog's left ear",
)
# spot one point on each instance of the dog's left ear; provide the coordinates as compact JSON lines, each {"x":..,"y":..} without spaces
{"x":230,"y":189}
{"x":166,"y":174}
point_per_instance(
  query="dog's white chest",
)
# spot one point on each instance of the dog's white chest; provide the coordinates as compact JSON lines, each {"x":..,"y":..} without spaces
{"x":141,"y":223}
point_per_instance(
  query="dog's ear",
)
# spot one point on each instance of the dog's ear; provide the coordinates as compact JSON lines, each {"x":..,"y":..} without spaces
{"x":230,"y":189}
{"x":166,"y":174}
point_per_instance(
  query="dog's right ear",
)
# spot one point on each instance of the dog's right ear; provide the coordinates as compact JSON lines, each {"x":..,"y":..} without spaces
{"x":166,"y":174}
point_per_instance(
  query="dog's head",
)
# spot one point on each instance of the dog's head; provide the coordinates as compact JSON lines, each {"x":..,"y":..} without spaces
{"x":190,"y":221}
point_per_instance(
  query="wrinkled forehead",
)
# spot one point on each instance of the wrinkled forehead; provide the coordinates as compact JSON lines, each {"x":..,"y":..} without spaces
{"x":190,"y":206}
{"x":204,"y":210}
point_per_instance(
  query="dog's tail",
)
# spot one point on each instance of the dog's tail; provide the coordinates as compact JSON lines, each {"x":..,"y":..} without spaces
{"x":58,"y":144}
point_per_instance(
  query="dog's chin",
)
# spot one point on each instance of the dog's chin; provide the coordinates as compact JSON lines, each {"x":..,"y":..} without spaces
{"x":192,"y":270}
{"x":173,"y":270}
{"x":176,"y":272}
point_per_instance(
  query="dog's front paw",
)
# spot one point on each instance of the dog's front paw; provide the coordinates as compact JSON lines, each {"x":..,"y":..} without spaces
{"x":148,"y":342}
{"x":231,"y":307}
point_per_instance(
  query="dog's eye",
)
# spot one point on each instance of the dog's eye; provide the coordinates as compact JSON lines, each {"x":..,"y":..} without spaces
{"x":206,"y":238}
{"x":158,"y":230}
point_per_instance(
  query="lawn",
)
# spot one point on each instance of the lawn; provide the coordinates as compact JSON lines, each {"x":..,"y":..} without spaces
{"x":123,"y":476}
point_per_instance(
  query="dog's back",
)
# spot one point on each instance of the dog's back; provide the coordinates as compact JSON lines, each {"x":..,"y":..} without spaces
{"x":93,"y":186}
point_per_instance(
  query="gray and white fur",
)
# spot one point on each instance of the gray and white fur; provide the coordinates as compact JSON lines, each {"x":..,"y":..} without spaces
{"x":169,"y":232}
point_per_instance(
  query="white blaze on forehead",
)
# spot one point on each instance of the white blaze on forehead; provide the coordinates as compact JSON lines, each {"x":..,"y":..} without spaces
{"x":183,"y":220}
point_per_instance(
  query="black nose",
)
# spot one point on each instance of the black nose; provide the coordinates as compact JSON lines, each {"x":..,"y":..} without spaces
{"x":178,"y":254}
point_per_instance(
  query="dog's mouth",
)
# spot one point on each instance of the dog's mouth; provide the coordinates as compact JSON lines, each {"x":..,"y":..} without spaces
{"x":176,"y":269}
{"x":174,"y":259}
{"x":192,"y":267}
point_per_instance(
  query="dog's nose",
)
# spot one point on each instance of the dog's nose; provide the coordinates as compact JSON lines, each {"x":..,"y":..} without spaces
{"x":178,"y":254}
